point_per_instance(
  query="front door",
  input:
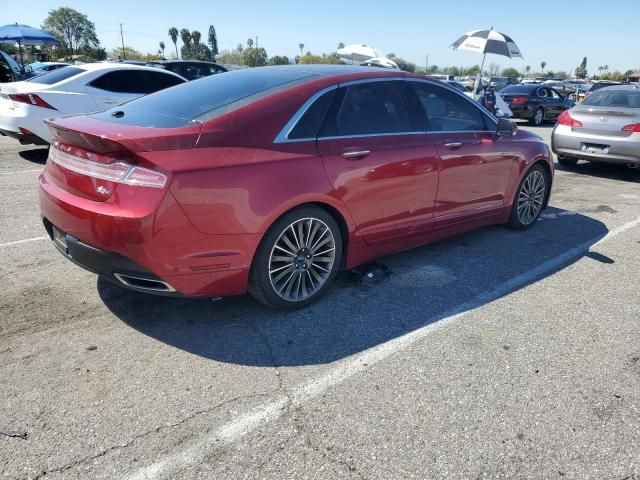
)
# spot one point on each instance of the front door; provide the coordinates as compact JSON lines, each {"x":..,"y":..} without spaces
{"x":383,"y":170}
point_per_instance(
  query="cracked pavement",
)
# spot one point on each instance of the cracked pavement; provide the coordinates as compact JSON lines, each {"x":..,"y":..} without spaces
{"x":542,"y":381}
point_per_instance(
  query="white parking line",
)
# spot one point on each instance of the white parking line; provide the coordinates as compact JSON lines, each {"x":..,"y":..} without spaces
{"x":21,"y":171}
{"x":26,"y":240}
{"x":275,"y":408}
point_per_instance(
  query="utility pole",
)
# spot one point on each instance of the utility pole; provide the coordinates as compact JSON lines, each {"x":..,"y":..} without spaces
{"x":124,"y":56}
{"x":256,"y":41}
{"x":426,"y":65}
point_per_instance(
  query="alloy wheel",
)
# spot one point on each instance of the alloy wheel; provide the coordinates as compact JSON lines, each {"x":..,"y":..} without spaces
{"x":302,"y":259}
{"x":531,"y":197}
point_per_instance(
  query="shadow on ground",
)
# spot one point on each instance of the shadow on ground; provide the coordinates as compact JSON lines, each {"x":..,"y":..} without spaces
{"x":422,"y":285}
{"x":603,"y":170}
{"x":35,"y":155}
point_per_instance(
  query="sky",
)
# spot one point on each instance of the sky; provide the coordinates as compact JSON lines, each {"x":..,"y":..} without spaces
{"x":545,"y":30}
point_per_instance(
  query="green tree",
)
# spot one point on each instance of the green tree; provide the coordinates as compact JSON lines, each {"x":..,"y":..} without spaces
{"x":254,"y":57}
{"x":455,"y":71}
{"x":404,"y":65}
{"x":581,"y":71}
{"x":340,"y":45}
{"x":185,"y":36}
{"x":72,"y":28}
{"x":230,"y":57}
{"x":250,"y":42}
{"x":279,"y":60}
{"x":202,"y":52}
{"x":510,"y":72}
{"x":161,"y":44}
{"x":173,"y":34}
{"x":391,"y":56}
{"x":311,"y":59}
{"x":196,"y":36}
{"x":472,"y":71}
{"x":213,"y":43}
{"x":542,"y":65}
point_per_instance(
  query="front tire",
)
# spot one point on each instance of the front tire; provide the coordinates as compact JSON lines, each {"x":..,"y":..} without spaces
{"x":538,"y":117}
{"x":297,"y":260}
{"x":529,"y":199}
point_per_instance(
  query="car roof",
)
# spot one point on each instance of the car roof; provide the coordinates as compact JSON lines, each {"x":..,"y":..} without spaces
{"x":92,"y":67}
{"x":165,"y":62}
{"x":623,"y":86}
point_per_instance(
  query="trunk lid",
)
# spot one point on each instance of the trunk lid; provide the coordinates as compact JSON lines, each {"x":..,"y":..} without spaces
{"x":607,"y":121}
{"x":92,"y":158}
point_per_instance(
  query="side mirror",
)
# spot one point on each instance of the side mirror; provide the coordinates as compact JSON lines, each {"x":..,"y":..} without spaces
{"x":506,"y":128}
{"x":499,"y":113}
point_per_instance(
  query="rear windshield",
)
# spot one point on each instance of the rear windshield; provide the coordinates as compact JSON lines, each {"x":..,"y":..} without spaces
{"x":523,"y":89}
{"x":203,"y":99}
{"x":613,"y":98}
{"x":57,"y":75}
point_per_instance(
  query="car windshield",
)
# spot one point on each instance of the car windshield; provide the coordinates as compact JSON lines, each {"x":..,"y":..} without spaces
{"x":57,"y":75}
{"x":202,"y":99}
{"x":613,"y":98}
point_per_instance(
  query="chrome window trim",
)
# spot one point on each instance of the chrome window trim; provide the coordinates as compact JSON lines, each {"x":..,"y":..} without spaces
{"x":283,"y":135}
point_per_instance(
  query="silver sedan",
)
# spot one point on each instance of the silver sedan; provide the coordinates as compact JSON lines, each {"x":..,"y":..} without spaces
{"x":603,"y":128}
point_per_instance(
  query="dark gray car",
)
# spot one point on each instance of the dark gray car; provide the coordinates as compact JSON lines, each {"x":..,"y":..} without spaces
{"x":603,"y":128}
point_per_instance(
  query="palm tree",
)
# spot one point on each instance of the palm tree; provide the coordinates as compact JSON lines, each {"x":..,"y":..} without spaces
{"x":301,"y":47}
{"x":606,"y":68}
{"x":173,"y":33}
{"x":542,"y":65}
{"x":196,"y":35}
{"x":161,"y":48}
{"x":185,"y":36}
{"x":250,"y":43}
{"x":600,"y":69}
{"x":527,"y":69}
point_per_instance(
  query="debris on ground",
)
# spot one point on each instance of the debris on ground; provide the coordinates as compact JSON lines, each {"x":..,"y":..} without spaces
{"x":370,"y":273}
{"x":14,"y":434}
{"x":91,"y":347}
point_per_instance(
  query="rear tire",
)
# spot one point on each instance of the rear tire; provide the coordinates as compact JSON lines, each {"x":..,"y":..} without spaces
{"x":297,"y":260}
{"x":568,"y":162}
{"x":538,"y":117}
{"x":529,"y":199}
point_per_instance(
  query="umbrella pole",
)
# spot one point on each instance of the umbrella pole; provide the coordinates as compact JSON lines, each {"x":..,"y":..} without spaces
{"x":20,"y":50}
{"x":478,"y":79}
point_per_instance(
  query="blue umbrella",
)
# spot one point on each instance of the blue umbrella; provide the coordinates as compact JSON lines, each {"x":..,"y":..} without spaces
{"x":25,"y":34}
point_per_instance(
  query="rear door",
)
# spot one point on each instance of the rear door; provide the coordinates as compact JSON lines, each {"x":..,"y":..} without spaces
{"x":475,"y":165}
{"x":117,"y":87}
{"x":382,"y":169}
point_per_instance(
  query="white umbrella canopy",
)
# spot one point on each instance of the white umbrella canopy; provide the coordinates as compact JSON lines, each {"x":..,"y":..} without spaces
{"x":359,"y":52}
{"x":383,"y":62}
{"x":488,"y":41}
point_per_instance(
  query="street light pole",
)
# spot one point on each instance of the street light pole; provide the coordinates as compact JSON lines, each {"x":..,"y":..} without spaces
{"x":124,"y":56}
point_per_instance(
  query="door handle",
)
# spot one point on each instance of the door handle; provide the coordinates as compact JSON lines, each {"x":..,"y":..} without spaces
{"x":355,"y":154}
{"x":453,"y":145}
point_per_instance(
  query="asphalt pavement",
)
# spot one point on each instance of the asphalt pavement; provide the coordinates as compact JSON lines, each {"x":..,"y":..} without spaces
{"x":495,"y":354}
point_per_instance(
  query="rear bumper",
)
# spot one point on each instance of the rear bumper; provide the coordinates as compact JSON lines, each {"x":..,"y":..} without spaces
{"x":155,"y":242}
{"x":524,"y":112}
{"x":24,"y":139}
{"x":573,"y":143}
{"x":111,"y":266}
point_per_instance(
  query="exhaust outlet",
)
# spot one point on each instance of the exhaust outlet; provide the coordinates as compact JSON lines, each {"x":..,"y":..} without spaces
{"x":144,"y":284}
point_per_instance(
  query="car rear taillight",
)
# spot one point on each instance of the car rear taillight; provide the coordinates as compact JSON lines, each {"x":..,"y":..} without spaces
{"x":634,"y":127}
{"x":116,"y":171}
{"x":519,"y":100}
{"x":566,"y":119}
{"x":30,"y":99}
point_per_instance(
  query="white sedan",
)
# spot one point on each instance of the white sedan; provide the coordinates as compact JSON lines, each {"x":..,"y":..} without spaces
{"x":75,"y":89}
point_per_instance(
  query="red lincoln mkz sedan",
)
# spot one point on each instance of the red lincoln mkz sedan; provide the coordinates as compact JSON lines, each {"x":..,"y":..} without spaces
{"x":269,"y":180}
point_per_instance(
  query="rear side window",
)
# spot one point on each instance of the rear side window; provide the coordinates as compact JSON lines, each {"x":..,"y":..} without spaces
{"x":518,"y":90}
{"x":56,"y":76}
{"x":311,"y":120}
{"x":371,"y":108}
{"x":159,"y":81}
{"x":447,"y":111}
{"x":122,"y":81}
